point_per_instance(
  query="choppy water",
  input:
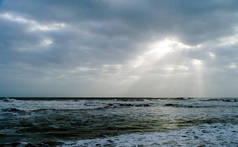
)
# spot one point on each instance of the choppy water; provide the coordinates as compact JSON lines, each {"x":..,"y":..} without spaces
{"x":119,"y":122}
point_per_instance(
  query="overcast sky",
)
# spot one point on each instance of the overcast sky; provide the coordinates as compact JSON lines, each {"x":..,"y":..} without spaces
{"x":159,"y":48}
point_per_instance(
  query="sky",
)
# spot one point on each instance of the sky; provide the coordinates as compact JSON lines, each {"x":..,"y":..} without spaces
{"x":136,"y":48}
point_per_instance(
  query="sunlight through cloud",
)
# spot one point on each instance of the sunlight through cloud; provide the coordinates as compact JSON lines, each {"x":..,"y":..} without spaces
{"x":197,"y":62}
{"x":177,"y":68}
{"x":159,"y":50}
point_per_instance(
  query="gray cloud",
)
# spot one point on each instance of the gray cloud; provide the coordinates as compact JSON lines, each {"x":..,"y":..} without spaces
{"x":94,"y":45}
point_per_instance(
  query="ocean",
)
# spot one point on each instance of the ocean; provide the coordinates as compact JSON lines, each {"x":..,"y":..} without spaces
{"x":132,"y":122}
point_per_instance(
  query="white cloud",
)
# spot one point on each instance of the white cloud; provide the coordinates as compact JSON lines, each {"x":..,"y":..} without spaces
{"x":197,"y":62}
{"x":43,"y":45}
{"x":48,"y":27}
{"x":46,"y":43}
{"x":232,"y":66}
{"x":212,"y":55}
{"x":169,"y":68}
{"x":182,"y":67}
{"x":228,"y":41}
{"x":177,"y":68}
{"x":33,"y":25}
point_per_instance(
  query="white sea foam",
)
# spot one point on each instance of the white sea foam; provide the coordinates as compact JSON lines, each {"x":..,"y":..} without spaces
{"x":204,"y":135}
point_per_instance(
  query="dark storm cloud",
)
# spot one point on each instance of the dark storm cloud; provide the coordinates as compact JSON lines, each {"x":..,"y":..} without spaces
{"x":98,"y":33}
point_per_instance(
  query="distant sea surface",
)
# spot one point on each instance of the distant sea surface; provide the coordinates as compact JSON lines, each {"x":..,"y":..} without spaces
{"x":119,"y":122}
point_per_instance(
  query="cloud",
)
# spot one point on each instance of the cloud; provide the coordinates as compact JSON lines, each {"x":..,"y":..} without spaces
{"x":212,"y":55}
{"x":32,"y":24}
{"x":124,"y":45}
{"x":232,"y":66}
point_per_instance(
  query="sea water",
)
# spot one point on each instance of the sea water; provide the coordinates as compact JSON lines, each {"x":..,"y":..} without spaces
{"x":119,"y":121}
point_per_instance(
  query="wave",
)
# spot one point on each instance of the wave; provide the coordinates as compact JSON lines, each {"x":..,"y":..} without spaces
{"x":185,"y":106}
{"x":218,"y":134}
{"x":84,"y":107}
{"x":222,"y":99}
{"x":104,"y":106}
{"x":44,"y":144}
{"x":86,"y":125}
{"x":204,"y":135}
{"x":128,"y":104}
{"x":196,"y":106}
{"x":13,"y":110}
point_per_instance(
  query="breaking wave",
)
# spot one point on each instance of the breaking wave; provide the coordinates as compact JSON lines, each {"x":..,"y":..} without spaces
{"x":96,"y":122}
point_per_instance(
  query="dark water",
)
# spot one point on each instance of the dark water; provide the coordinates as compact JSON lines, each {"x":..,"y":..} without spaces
{"x":118,"y":122}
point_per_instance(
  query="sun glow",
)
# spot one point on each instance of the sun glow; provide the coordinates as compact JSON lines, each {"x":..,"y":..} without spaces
{"x":159,"y":49}
{"x":197,"y":62}
{"x":155,"y":52}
